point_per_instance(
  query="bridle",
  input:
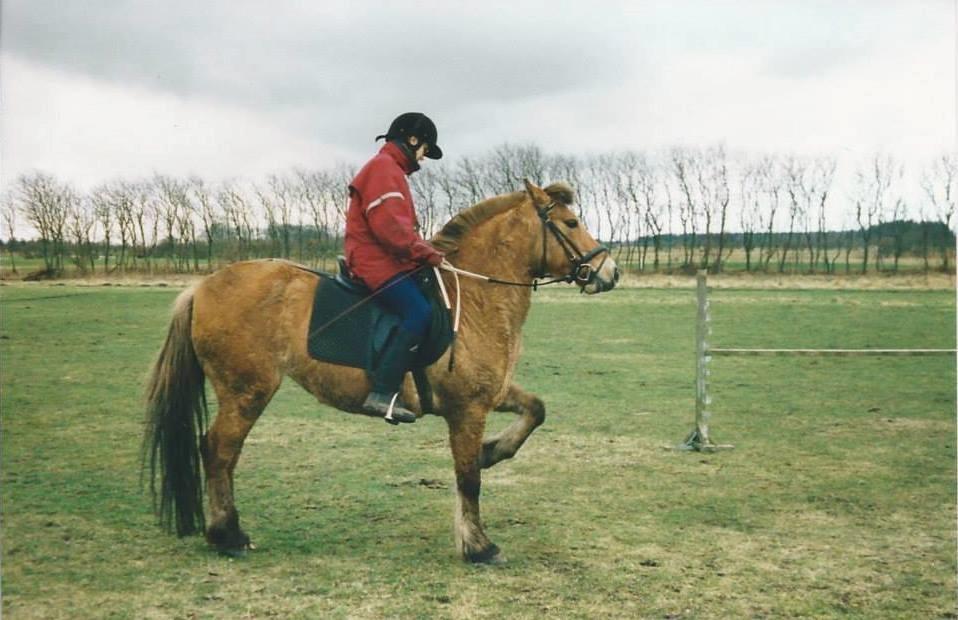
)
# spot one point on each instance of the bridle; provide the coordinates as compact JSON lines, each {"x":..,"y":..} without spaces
{"x":580,"y":272}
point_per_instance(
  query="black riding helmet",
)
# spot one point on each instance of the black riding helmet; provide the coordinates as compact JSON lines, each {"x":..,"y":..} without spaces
{"x":415,"y":124}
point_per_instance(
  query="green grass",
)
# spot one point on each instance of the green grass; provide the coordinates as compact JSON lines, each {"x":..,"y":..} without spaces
{"x":837,"y":501}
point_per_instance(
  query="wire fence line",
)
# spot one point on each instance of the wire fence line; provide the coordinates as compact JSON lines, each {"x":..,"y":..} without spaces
{"x":699,"y":439}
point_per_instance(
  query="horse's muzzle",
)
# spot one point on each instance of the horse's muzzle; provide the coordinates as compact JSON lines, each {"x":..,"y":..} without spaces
{"x":603,"y":279}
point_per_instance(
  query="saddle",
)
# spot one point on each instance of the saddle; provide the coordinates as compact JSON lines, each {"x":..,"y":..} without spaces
{"x":349,"y":328}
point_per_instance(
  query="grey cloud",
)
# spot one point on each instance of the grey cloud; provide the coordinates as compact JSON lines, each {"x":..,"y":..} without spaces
{"x":561,"y":73}
{"x":328,"y":71}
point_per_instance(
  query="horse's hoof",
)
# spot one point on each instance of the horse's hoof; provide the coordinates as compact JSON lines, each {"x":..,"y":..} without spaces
{"x":490,"y":556}
{"x":236,"y":552}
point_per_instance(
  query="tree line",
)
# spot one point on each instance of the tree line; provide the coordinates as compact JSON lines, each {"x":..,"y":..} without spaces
{"x":677,"y":210}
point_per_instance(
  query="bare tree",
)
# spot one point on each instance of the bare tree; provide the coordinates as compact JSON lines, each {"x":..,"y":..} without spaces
{"x":140,"y":207}
{"x":750,"y":215}
{"x":313,"y":190}
{"x":105,"y":213}
{"x":715,"y":194}
{"x":703,"y":181}
{"x":640,"y":187}
{"x":684,"y":165}
{"x":848,"y":237}
{"x":122,"y":196}
{"x":324,"y":194}
{"x":898,"y":215}
{"x":281,"y":190}
{"x":797,"y":203}
{"x":669,"y":215}
{"x":820,"y":182}
{"x":657,"y":213}
{"x":628,"y":211}
{"x":426,"y":190}
{"x":170,"y":197}
{"x":772,"y":178}
{"x":808,"y":185}
{"x":207,"y":214}
{"x":153,"y":210}
{"x":893,"y":173}
{"x":837,"y":250}
{"x":186,"y":227}
{"x":563,"y":168}
{"x":301,"y":208}
{"x":237,"y":211}
{"x":452,"y":197}
{"x":472,"y":180}
{"x":80,"y":223}
{"x":508,"y":164}
{"x":871,"y":197}
{"x":180,"y":216}
{"x":602,"y":170}
{"x":342,"y":176}
{"x":45,"y":204}
{"x":270,"y":209}
{"x":923,"y":217}
{"x":807,"y":218}
{"x":940,"y":182}
{"x":589,"y":209}
{"x":8,"y":211}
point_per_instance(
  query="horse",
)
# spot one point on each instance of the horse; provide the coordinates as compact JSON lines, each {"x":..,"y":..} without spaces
{"x":244,"y":327}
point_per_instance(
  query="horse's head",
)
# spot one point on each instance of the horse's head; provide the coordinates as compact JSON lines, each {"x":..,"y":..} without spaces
{"x":568,"y":250}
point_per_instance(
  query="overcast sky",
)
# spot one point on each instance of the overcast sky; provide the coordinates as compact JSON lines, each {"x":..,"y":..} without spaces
{"x":99,"y":89}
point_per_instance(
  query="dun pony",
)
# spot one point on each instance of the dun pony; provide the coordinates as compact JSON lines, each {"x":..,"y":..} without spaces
{"x":244,"y":329}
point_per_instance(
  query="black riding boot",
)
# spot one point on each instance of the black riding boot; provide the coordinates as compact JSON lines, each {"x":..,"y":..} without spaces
{"x":387,"y":379}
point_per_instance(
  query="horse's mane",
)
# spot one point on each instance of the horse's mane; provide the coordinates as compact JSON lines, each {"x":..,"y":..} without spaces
{"x":466,"y":220}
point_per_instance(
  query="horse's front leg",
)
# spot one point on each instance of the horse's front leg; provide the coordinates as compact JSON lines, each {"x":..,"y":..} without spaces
{"x":532,"y":413}
{"x":465,"y":439}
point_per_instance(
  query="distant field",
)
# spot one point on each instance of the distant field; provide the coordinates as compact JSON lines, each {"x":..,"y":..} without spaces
{"x":734,"y":263}
{"x":837,"y":501}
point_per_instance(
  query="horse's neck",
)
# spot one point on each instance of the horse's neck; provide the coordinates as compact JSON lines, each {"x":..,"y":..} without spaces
{"x":500,"y":249}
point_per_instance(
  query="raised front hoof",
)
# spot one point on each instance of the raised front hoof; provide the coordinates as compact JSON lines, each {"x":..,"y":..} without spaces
{"x":490,"y":556}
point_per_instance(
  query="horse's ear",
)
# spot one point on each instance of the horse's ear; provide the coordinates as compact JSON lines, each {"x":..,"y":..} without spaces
{"x":539,"y":197}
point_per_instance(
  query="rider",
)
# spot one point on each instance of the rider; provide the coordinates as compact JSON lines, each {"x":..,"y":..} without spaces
{"x":383,"y":245}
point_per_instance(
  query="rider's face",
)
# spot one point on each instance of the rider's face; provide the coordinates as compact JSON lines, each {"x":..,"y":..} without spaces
{"x":420,"y":150}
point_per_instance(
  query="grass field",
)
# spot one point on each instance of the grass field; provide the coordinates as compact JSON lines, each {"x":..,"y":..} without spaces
{"x":837,"y":501}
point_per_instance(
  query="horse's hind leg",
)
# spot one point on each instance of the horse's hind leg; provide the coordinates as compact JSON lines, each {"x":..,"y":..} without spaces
{"x":532,"y":413}
{"x":238,"y":411}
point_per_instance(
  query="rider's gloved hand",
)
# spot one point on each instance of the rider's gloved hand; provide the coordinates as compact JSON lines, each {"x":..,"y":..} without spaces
{"x":435,"y":259}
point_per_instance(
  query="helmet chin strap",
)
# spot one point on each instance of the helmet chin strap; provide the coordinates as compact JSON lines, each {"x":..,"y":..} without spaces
{"x":409,"y":152}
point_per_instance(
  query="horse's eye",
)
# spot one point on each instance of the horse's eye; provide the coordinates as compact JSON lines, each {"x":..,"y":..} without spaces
{"x":571,"y":223}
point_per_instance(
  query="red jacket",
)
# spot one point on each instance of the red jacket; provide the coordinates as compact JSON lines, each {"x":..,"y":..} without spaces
{"x":382,"y":237}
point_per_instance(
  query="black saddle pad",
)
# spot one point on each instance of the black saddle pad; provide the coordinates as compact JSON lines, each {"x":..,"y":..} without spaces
{"x":348,"y":327}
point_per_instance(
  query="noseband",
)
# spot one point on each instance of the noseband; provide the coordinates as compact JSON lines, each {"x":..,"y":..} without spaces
{"x":580,"y":272}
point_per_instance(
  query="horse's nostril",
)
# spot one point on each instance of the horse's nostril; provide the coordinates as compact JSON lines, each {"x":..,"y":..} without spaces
{"x":615,"y":275}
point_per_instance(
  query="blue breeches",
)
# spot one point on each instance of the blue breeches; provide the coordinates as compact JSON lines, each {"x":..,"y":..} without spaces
{"x":404,"y":298}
